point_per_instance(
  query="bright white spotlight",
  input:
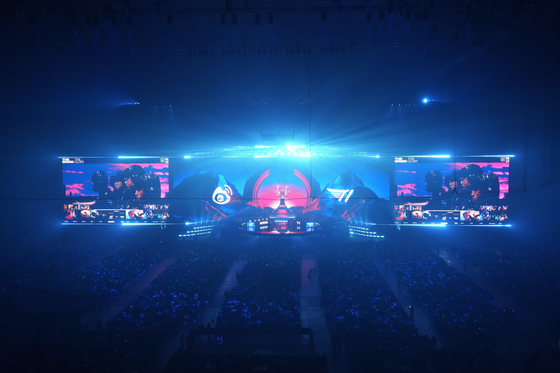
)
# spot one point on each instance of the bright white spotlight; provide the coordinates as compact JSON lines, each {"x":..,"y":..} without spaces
{"x":425,"y":100}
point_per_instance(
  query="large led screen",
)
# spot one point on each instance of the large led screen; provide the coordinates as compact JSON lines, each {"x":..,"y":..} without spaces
{"x":109,"y":191}
{"x":459,"y":191}
{"x":280,"y":194}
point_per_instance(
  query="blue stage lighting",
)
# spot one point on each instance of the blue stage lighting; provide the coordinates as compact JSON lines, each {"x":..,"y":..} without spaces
{"x":429,"y":156}
{"x":425,"y":100}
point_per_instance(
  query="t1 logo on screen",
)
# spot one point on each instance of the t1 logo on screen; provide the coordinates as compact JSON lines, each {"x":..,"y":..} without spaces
{"x":223,"y":195}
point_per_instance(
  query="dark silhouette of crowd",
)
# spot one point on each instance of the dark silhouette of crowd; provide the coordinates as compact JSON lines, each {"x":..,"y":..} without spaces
{"x":179,"y":295}
{"x":44,"y":295}
{"x":532,"y":277}
{"x":364,"y":317}
{"x":98,"y":284}
{"x":129,"y":343}
{"x":267,"y":292}
{"x":465,"y":314}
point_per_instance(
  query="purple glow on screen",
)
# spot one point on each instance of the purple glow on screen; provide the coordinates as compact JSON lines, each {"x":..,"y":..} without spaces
{"x":409,"y":177}
{"x":77,"y":176}
{"x":268,"y":198}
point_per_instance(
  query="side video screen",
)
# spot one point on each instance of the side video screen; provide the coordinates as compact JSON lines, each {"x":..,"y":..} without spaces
{"x":460,"y":191}
{"x":109,"y":191}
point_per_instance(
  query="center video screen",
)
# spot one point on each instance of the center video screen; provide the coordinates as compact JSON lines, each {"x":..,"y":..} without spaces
{"x":274,"y":195}
{"x":459,"y":191}
{"x":109,"y":191}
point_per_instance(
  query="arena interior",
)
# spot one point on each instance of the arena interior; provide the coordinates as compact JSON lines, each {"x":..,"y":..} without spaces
{"x":284,"y":186}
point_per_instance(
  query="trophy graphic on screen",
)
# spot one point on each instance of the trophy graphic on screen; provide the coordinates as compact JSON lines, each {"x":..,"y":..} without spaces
{"x":282,"y":216}
{"x":282,"y":193}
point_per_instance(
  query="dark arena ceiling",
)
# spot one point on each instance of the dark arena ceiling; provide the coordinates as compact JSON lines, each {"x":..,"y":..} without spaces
{"x":332,"y":71}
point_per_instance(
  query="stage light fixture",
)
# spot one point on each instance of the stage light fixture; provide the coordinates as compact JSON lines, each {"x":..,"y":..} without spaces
{"x":425,"y":100}
{"x":324,"y":17}
{"x":170,"y":19}
{"x":270,"y":18}
{"x":257,"y":19}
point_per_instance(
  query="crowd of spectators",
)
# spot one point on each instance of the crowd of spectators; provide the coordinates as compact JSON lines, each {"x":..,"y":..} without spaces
{"x":44,"y":330}
{"x":367,"y":324}
{"x":26,"y":272}
{"x":179,"y":295}
{"x":464,"y":313}
{"x":532,"y":277}
{"x":99,"y":284}
{"x":363,"y":315}
{"x":90,"y":351}
{"x":227,"y":363}
{"x":40,"y":264}
{"x":267,"y":291}
{"x":356,"y":296}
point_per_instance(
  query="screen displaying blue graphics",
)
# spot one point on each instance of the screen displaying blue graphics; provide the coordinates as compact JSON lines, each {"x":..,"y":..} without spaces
{"x":280,"y":195}
{"x":109,"y":191}
{"x":258,"y":194}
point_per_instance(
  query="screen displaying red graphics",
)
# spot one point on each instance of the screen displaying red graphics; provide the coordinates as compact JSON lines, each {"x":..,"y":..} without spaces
{"x":111,"y":191}
{"x":273,"y":195}
{"x":287,"y":195}
{"x":464,"y":190}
